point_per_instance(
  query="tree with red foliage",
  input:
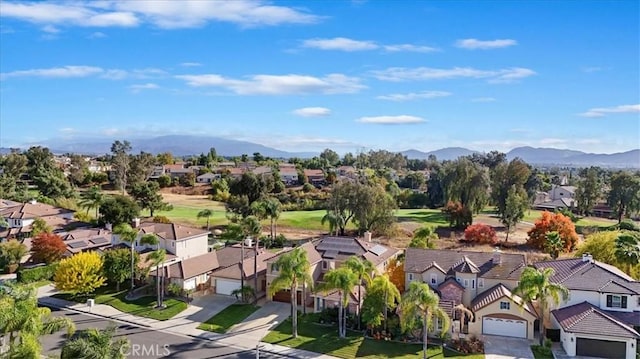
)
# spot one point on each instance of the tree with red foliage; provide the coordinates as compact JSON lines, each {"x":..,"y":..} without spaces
{"x":459,"y":216}
{"x":481,"y":234}
{"x":47,"y":247}
{"x":553,"y":222}
{"x":395,"y":270}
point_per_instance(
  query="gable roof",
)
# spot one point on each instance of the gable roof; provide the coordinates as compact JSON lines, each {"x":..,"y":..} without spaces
{"x":191,"y":267}
{"x":233,"y":271}
{"x":590,"y":275}
{"x":418,"y":260}
{"x":465,"y":265}
{"x":585,"y":318}
{"x":496,"y":293}
{"x":171,"y":231}
{"x":341,"y":248}
{"x":450,"y":281}
{"x":313,"y":256}
{"x":31,"y":210}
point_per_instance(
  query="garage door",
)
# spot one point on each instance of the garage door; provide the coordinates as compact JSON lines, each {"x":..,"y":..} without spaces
{"x":601,"y":348}
{"x":504,"y":327}
{"x":285,"y":297}
{"x":226,"y":286}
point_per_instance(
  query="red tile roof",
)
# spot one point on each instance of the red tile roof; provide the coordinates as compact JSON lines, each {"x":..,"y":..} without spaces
{"x":584,"y":318}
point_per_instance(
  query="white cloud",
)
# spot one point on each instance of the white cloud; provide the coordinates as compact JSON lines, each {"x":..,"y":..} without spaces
{"x":163,"y":14}
{"x":483,"y":99}
{"x":410,"y":48}
{"x":340,"y":43}
{"x":475,"y":44}
{"x":391,"y":120}
{"x":603,"y":111}
{"x":139,"y":87}
{"x":97,"y":35}
{"x":552,"y":141}
{"x":190,"y":64}
{"x":591,"y":69}
{"x":278,"y":84}
{"x":398,"y":74}
{"x":148,"y":73}
{"x":51,"y":29}
{"x":312,"y":112}
{"x":400,"y":97}
{"x":55,"y":72}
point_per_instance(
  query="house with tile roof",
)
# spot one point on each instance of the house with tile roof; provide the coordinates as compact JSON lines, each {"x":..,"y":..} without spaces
{"x":20,"y":217}
{"x":601,"y":316}
{"x":481,"y":282}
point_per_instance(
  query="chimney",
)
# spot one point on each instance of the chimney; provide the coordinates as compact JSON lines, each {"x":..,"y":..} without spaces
{"x":497,"y":256}
{"x":367,"y":236}
{"x":248,"y":242}
{"x":587,"y":257}
{"x":108,"y":226}
{"x":33,"y":201}
{"x":136,"y":223}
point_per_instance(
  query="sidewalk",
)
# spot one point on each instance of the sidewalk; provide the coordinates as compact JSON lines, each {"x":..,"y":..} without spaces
{"x":245,"y":335}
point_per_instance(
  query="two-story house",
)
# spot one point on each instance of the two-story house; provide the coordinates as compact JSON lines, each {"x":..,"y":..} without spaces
{"x":482,"y":282}
{"x":601,"y":317}
{"x":20,"y":217}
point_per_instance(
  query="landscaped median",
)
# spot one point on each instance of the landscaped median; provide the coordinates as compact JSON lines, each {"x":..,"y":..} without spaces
{"x":141,"y":307}
{"x":228,"y":317}
{"x":324,"y":339}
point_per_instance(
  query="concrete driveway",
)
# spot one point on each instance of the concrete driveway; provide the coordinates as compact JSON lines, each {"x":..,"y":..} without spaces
{"x":496,"y":347}
{"x":209,"y":305}
{"x":256,"y":326}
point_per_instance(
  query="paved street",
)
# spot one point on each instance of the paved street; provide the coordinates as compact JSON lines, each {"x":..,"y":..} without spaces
{"x":147,"y":343}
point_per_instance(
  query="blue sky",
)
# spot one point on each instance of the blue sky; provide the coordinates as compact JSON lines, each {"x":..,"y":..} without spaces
{"x":308,"y":75}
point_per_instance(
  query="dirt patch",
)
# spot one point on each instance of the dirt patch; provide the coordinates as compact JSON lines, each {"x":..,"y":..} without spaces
{"x":197,"y":190}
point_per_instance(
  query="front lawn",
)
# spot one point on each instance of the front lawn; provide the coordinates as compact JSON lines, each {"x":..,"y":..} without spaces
{"x":324,"y":339}
{"x":541,"y":352}
{"x":142,"y":307}
{"x":228,"y":317}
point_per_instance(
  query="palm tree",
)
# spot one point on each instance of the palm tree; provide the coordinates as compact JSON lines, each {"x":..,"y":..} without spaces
{"x":342,"y":279}
{"x":92,"y":198}
{"x":535,"y":284}
{"x":128,"y":235}
{"x":252,"y":228}
{"x":383,"y":284}
{"x":554,"y":244}
{"x":627,"y":250}
{"x":157,"y":258}
{"x":25,"y":322}
{"x":96,"y":343}
{"x":273,"y":208}
{"x":424,"y":237}
{"x":205,"y":213}
{"x":364,"y":270}
{"x":420,"y":302}
{"x":293,"y":270}
{"x":335,"y":220}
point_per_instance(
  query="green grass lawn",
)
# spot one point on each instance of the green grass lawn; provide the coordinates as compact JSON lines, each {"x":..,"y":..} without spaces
{"x":228,"y":317}
{"x":323,"y":339}
{"x":541,"y":352}
{"x":142,"y":307}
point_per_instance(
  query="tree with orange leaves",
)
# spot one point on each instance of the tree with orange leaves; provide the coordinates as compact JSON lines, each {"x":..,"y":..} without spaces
{"x":395,"y":270}
{"x":47,"y":247}
{"x":553,"y":222}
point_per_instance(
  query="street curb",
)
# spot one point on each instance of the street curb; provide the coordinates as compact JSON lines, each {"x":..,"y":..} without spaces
{"x":45,"y":303}
{"x":262,"y":350}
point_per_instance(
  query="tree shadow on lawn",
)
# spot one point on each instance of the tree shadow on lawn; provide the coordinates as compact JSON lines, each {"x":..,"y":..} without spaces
{"x":435,"y":218}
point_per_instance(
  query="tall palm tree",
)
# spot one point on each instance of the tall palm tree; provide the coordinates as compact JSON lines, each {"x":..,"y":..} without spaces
{"x":421,"y":303}
{"x":96,"y":343}
{"x":128,"y":235}
{"x":627,"y":250}
{"x":274,"y":209}
{"x":426,"y":236}
{"x":205,"y":213}
{"x":364,"y":270}
{"x":25,"y":322}
{"x":535,"y":284}
{"x":383,"y":284}
{"x":342,"y":279}
{"x":92,"y":198}
{"x":156,"y":258}
{"x":335,"y":221}
{"x":252,"y":228}
{"x":293,"y":270}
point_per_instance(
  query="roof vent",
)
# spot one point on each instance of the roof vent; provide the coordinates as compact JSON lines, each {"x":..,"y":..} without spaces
{"x":587,"y":257}
{"x":497,"y":256}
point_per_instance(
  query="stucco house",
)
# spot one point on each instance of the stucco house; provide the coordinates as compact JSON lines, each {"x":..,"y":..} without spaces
{"x":208,"y":177}
{"x":482,"y":282}
{"x":315,"y":177}
{"x":289,"y":175}
{"x":20,"y":217}
{"x":601,"y":317}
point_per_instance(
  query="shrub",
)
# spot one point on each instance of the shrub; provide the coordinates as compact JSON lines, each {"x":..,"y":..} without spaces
{"x":48,"y":248}
{"x":36,"y":274}
{"x":481,"y":234}
{"x":458,"y":215}
{"x":161,"y":219}
{"x":308,"y":187}
{"x":550,"y":222}
{"x":628,"y":225}
{"x":164,"y":181}
{"x":174,"y":289}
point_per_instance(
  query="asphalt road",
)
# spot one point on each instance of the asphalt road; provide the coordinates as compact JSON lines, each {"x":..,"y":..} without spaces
{"x":147,"y":343}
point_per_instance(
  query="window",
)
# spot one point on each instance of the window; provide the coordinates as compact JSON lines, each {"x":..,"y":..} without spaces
{"x":439,"y":324}
{"x":410,"y":276}
{"x":274,"y":268}
{"x":173,"y":244}
{"x":466,"y":283}
{"x":505,"y":305}
{"x":617,"y":301}
{"x":325,"y":264}
{"x":473,"y":284}
{"x":434,"y":279}
{"x":480,"y":282}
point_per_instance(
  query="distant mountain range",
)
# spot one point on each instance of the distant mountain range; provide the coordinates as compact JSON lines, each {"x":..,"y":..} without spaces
{"x":185,"y":145}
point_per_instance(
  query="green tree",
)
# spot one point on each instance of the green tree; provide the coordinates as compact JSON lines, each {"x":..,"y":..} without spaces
{"x":14,"y":164}
{"x":117,"y":267}
{"x":588,"y":190}
{"x":343,"y":280}
{"x":96,"y":343}
{"x":507,"y":178}
{"x":373,"y":209}
{"x":330,"y":156}
{"x":554,"y":244}
{"x":516,"y":205}
{"x":420,"y":303}
{"x":118,"y":209}
{"x":624,"y":196}
{"x":536,"y":285}
{"x":628,"y":250}
{"x":381,"y":296}
{"x":164,"y":181}
{"x":293,"y":270}
{"x":270,"y":208}
{"x":147,"y":196}
{"x":205,"y":213}
{"x":467,"y":183}
{"x":364,"y":270}
{"x":92,"y":198}
{"x":251,"y":228}
{"x":11,"y":252}
{"x":335,"y":220}
{"x":340,"y":203}
{"x":80,"y":274}
{"x":424,"y":237}
{"x":25,"y":322}
{"x":121,"y":163}
{"x":128,"y":235}
{"x":40,"y":226}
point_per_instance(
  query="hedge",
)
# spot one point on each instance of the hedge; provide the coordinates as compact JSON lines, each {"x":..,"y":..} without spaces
{"x":38,"y":273}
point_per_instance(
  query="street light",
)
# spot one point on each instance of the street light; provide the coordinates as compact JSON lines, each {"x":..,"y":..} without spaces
{"x":274,"y":323}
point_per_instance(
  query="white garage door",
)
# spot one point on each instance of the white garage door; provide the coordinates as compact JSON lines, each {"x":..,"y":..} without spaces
{"x":226,"y":286}
{"x":504,"y":327}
